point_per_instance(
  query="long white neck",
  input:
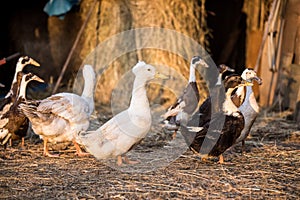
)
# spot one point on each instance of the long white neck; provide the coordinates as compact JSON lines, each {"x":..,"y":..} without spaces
{"x":139,"y":100}
{"x":192,"y":77}
{"x":22,"y":90}
{"x":88,"y":93}
{"x":250,"y":98}
{"x":219,"y":81}
{"x":228,"y":106}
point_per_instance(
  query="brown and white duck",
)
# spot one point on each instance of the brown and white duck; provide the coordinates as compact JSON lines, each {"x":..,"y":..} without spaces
{"x":187,"y":103}
{"x":214,"y":137}
{"x":13,"y":123}
{"x":249,"y":107}
{"x":60,"y":117}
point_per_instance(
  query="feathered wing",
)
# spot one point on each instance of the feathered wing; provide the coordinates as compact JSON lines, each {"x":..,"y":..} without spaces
{"x":115,"y":137}
{"x":56,"y":114}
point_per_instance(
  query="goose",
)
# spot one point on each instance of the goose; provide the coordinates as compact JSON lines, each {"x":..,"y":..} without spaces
{"x":215,"y":142}
{"x":126,"y":129}
{"x":59,"y":117}
{"x":249,"y":107}
{"x":187,"y":103}
{"x":13,"y":123}
{"x":11,"y":96}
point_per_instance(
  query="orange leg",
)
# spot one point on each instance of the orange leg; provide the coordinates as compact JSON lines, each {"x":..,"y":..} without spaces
{"x":46,"y":152}
{"x":221,"y":159}
{"x":78,"y":150}
{"x":119,"y":160}
{"x":174,"y":135}
{"x":126,"y":159}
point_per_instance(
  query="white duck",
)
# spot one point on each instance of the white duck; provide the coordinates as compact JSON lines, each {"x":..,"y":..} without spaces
{"x":118,"y":135}
{"x":11,"y":96}
{"x":61,"y":116}
{"x":249,"y":107}
{"x":13,"y":123}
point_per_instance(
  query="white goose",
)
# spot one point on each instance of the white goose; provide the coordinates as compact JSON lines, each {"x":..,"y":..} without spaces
{"x":249,"y":107}
{"x":13,"y":123}
{"x":118,"y":135}
{"x":61,"y":116}
{"x":11,"y":96}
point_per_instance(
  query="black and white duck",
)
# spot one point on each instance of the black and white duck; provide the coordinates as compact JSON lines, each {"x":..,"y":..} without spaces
{"x":11,"y":96}
{"x":60,"y":117}
{"x":187,"y":103}
{"x":249,"y":107}
{"x":207,"y":107}
{"x":13,"y":123}
{"x":126,"y":129}
{"x":214,"y":137}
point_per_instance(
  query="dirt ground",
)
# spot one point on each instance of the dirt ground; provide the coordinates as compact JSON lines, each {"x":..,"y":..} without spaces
{"x":269,"y":169}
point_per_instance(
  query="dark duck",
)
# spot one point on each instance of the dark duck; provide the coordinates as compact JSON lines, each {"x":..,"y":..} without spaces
{"x":215,"y":136}
{"x":187,"y":103}
{"x":11,"y":96}
{"x":206,"y":107}
{"x":13,"y":123}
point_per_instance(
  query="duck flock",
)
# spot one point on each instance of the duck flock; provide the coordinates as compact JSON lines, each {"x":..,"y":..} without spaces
{"x":223,"y":120}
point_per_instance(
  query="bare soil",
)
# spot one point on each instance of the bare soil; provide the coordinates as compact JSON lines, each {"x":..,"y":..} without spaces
{"x":269,"y":169}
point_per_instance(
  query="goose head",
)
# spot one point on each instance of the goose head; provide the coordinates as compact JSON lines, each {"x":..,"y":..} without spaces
{"x":26,"y":78}
{"x":146,"y":72}
{"x":25,"y":60}
{"x":197,"y":60}
{"x":249,"y":75}
{"x":224,"y":68}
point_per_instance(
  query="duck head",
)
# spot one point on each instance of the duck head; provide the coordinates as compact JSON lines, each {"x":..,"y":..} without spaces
{"x":249,"y":75}
{"x":146,"y":71}
{"x":25,"y":60}
{"x":224,"y":68}
{"x":197,"y":60}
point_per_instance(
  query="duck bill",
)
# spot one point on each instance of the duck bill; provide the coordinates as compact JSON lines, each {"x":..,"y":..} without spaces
{"x":36,"y":78}
{"x":35,"y":63}
{"x":230,"y":69}
{"x":203,"y":63}
{"x":258,"y":80}
{"x":160,"y":76}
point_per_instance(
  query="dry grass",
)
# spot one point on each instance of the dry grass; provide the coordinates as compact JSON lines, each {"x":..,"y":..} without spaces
{"x":268,"y":170}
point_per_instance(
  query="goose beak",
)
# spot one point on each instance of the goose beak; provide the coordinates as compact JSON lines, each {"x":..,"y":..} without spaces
{"x":36,"y":78}
{"x":160,"y":76}
{"x":203,"y":63}
{"x":229,"y":69}
{"x":258,"y":80}
{"x":35,"y":63}
{"x":1,"y":85}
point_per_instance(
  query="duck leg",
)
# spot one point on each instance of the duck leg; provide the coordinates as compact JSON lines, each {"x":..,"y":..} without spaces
{"x":78,"y":150}
{"x":243,"y":146}
{"x":119,"y":160}
{"x":126,"y":160}
{"x":221,"y":159}
{"x":46,"y":152}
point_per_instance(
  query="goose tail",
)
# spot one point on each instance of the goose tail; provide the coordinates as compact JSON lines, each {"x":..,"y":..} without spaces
{"x":29,"y":109}
{"x":92,"y":142}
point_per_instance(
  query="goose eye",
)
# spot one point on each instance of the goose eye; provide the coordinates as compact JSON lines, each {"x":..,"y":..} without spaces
{"x":149,"y":70}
